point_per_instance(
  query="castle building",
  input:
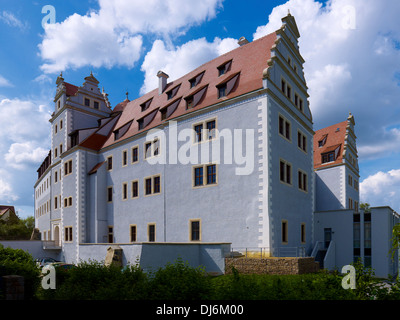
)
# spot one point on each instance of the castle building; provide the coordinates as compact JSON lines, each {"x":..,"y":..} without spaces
{"x":222,"y":154}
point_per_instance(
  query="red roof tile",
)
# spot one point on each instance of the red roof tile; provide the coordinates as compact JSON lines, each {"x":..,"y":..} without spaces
{"x":249,"y":60}
{"x":71,"y":90}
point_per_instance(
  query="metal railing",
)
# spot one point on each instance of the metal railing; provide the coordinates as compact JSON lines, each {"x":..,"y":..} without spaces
{"x":266,"y":252}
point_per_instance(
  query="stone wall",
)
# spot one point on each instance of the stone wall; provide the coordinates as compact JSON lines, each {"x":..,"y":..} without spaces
{"x":271,"y":265}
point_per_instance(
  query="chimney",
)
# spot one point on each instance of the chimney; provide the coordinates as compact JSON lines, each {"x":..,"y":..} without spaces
{"x":242,"y":41}
{"x":162,"y":81}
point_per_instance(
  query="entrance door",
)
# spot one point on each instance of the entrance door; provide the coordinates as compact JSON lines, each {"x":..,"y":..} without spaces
{"x":327,"y":237}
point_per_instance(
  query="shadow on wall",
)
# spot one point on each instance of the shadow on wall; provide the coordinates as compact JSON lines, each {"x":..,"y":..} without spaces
{"x":210,"y":256}
{"x":325,"y":199}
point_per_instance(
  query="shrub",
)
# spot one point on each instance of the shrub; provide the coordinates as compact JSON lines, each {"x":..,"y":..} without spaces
{"x":179,"y":281}
{"x":19,"y":262}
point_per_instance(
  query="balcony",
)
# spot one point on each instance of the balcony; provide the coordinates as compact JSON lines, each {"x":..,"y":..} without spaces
{"x":51,"y":245}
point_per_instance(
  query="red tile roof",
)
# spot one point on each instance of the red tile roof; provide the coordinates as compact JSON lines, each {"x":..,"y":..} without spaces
{"x":335,"y":137}
{"x":249,"y":61}
{"x":71,"y":90}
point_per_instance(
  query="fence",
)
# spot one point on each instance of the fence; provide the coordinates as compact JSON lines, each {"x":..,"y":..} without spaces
{"x":267,"y":252}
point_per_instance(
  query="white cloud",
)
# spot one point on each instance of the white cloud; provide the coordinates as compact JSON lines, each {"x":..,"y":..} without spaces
{"x":7,"y":195}
{"x":113,"y":36}
{"x":382,"y":188}
{"x":20,"y":155}
{"x":11,"y":20}
{"x":181,"y":60}
{"x":4,"y":82}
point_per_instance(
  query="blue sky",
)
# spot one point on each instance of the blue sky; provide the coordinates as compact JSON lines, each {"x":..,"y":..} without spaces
{"x":351,"y":48}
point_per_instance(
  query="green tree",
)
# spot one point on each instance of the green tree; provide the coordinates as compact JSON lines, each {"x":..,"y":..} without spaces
{"x":16,"y":229}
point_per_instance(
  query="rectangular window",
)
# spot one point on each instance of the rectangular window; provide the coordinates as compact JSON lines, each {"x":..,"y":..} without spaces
{"x":110,"y":234}
{"x":151,"y":232}
{"x":198,"y":176}
{"x":283,"y":86}
{"x":205,"y":175}
{"x":302,"y":180}
{"x":87,"y":102}
{"x":211,"y":174}
{"x":124,"y":158}
{"x":96,"y":104}
{"x":350,"y":180}
{"x":301,"y":141}
{"x":124,"y":191}
{"x":135,"y":154}
{"x":350,"y":203}
{"x":109,"y":194}
{"x":222,"y":91}
{"x":133,"y":233}
{"x":152,"y":148}
{"x":195,"y":230}
{"x":289,"y":92}
{"x":55,"y":203}
{"x":148,"y":186}
{"x":303,"y":233}
{"x":109,"y":163}
{"x":198,"y":132}
{"x":328,"y":157}
{"x":68,"y":234}
{"x":284,"y":128}
{"x":135,"y":189}
{"x":285,"y":172}
{"x":284,"y":231}
{"x":156,"y":184}
{"x":210,"y":125}
{"x":68,"y":167}
{"x":147,"y":150}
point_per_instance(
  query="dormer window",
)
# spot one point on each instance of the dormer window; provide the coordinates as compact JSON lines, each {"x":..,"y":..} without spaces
{"x":228,"y":85}
{"x":322,"y":142}
{"x":194,"y":99}
{"x":145,"y":105}
{"x":196,"y":80}
{"x":224,"y":68}
{"x":171,"y":93}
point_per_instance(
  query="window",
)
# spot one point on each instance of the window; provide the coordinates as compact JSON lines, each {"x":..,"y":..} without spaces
{"x":109,"y":163}
{"x":124,"y":158}
{"x":303,"y":233}
{"x":124,"y":191}
{"x":302,"y":179}
{"x":96,"y":104}
{"x":151,"y":232}
{"x":68,"y":234}
{"x":301,"y":141}
{"x":67,"y":202}
{"x":110,"y":234}
{"x":135,"y":189}
{"x":283,"y":86}
{"x":222,"y":91}
{"x":198,"y":176}
{"x":55,"y":153}
{"x":152,"y":148}
{"x":133,"y":233}
{"x":55,"y":202}
{"x":356,"y":237}
{"x":61,"y":124}
{"x":289,"y":92}
{"x":322,"y":142}
{"x":135,"y":154}
{"x":210,"y":125}
{"x":205,"y":175}
{"x":144,"y":106}
{"x":209,"y":133}
{"x":172,"y":93}
{"x":328,"y":157}
{"x":87,"y":102}
{"x":356,"y":184}
{"x":196,"y":80}
{"x":55,"y":176}
{"x":68,"y":167}
{"x":224,"y":68}
{"x":195,"y":230}
{"x":350,"y":203}
{"x":284,"y":231}
{"x":284,"y":128}
{"x":152,"y":185}
{"x":198,"y":132}
{"x":285,"y":172}
{"x":109,"y":194}
{"x":367,"y":239}
{"x":350,"y":180}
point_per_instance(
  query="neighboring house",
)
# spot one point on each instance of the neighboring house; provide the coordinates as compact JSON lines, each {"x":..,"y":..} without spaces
{"x":7,"y":212}
{"x":336,"y":167}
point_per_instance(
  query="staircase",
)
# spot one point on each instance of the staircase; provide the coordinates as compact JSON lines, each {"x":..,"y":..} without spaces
{"x":320,"y":257}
